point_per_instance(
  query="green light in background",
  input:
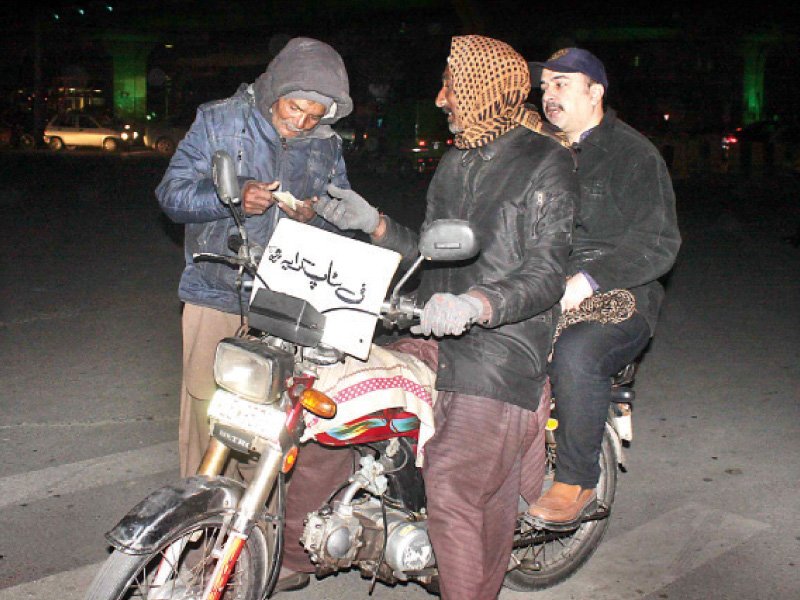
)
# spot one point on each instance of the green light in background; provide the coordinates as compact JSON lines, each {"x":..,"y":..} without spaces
{"x":755,"y":59}
{"x":129,"y":54}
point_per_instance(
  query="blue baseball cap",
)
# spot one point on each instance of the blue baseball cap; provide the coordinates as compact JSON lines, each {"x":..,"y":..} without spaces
{"x":576,"y":60}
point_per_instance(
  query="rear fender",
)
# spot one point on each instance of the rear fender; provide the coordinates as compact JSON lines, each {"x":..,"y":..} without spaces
{"x":171,"y":508}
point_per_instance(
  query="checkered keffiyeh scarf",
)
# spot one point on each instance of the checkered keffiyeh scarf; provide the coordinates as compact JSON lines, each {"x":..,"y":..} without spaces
{"x":491,"y":82}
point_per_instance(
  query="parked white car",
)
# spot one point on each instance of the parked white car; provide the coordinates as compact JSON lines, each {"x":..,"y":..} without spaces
{"x":82,"y":129}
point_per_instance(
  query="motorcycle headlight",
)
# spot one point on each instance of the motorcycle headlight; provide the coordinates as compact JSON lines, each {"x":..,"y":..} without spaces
{"x":252,"y":370}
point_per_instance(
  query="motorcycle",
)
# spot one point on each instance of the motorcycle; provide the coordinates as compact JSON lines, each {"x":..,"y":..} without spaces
{"x":212,"y":537}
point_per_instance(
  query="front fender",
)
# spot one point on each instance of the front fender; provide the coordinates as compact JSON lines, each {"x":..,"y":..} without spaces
{"x":171,"y":508}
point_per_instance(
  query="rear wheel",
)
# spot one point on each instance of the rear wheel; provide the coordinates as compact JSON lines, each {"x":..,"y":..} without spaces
{"x":543,"y":558}
{"x":189,"y":560}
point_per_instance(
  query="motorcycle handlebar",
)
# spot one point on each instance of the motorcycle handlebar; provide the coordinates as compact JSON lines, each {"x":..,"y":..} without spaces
{"x":401,"y":312}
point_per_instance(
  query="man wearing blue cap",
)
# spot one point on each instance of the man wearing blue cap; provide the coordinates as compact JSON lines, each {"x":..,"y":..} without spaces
{"x":626,"y":237}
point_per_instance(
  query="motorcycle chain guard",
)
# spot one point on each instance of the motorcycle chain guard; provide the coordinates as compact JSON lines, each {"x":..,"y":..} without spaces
{"x":286,"y":317}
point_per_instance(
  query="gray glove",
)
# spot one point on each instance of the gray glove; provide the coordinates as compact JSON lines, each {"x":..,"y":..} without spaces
{"x":448,"y":314}
{"x":347,"y":210}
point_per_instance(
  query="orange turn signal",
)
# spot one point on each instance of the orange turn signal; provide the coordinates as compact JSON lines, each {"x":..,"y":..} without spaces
{"x":318,"y":403}
{"x":289,"y":460}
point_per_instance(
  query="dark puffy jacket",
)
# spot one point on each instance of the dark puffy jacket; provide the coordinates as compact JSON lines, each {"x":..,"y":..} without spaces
{"x":518,"y":194}
{"x":304,"y":165}
{"x":626,"y":230}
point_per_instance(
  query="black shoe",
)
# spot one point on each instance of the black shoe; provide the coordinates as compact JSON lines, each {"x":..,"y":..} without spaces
{"x":291,"y":582}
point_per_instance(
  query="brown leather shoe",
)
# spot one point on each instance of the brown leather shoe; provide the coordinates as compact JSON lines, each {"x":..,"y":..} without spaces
{"x":289,"y":581}
{"x":563,"y":506}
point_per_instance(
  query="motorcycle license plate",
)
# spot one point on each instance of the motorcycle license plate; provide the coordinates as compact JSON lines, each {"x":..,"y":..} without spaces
{"x":262,"y":420}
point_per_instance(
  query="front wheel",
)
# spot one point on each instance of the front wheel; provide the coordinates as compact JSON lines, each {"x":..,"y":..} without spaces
{"x":540,"y":558}
{"x":182,"y":566}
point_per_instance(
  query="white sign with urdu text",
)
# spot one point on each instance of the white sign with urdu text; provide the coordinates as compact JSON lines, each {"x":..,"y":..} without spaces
{"x":345,"y":279}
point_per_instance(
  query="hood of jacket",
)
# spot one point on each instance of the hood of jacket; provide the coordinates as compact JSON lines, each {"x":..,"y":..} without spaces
{"x":309,"y":65}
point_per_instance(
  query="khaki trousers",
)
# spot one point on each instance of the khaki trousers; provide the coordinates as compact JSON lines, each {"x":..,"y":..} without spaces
{"x":203,"y":328}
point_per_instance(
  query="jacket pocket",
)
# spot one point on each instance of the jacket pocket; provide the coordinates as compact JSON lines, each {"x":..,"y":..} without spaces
{"x":513,"y":230}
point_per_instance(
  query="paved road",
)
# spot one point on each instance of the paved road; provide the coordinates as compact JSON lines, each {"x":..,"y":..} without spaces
{"x":89,"y":333}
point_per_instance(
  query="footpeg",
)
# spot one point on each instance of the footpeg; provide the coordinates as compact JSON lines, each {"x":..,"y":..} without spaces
{"x":595,"y":511}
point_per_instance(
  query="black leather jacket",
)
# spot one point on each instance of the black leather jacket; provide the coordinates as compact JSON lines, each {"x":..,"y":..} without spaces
{"x":518,"y":194}
{"x":626,"y":231}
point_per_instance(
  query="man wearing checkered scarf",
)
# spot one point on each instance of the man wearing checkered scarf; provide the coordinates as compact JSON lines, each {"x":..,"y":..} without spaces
{"x":491,"y":319}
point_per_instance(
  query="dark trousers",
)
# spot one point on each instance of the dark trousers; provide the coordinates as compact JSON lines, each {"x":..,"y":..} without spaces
{"x":484,"y":454}
{"x":585,"y":358}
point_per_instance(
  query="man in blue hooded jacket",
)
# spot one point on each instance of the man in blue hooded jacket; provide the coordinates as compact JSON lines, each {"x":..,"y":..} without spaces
{"x":277,"y":130}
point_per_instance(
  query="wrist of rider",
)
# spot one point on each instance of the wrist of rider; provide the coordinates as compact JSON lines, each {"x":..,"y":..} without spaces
{"x":595,"y":286}
{"x":374,"y":221}
{"x":380,"y":229}
{"x":481,"y":304}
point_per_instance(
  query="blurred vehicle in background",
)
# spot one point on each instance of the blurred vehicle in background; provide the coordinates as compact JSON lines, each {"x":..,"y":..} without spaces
{"x":346,"y":130}
{"x":774,"y":143}
{"x":407,"y":137}
{"x":417,"y":135}
{"x":16,"y":130}
{"x":163,"y":136}
{"x":83,"y":129}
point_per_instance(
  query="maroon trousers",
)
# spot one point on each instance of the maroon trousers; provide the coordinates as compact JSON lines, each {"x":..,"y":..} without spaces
{"x":483,"y":455}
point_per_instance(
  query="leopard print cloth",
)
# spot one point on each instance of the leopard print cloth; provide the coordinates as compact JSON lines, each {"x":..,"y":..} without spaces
{"x":491,"y":82}
{"x":614,"y":306}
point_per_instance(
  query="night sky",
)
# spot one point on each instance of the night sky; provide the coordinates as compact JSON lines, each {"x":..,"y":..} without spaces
{"x":403,"y":43}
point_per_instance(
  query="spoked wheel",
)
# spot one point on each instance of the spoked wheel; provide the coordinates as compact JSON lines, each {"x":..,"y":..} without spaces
{"x":543,"y":558}
{"x":181,"y":568}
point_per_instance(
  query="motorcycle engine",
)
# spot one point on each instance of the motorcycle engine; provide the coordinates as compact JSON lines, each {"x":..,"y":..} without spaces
{"x":343,"y":536}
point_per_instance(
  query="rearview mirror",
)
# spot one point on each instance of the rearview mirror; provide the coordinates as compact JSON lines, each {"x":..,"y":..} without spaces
{"x":224,"y":175}
{"x":448,"y":240}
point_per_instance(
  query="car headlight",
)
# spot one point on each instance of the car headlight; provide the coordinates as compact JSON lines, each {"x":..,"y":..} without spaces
{"x":124,"y":135}
{"x":251,"y":369}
